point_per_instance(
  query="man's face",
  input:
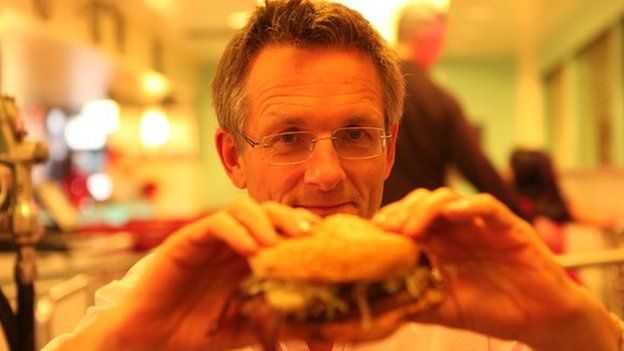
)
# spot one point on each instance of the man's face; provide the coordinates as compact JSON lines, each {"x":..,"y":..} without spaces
{"x":427,"y":43}
{"x":316,"y":90}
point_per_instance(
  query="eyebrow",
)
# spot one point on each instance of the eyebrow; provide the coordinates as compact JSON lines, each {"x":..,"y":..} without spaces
{"x":277,"y":121}
{"x":287,"y":119}
{"x":293,"y":119}
{"x":281,"y":121}
{"x":364,"y":120}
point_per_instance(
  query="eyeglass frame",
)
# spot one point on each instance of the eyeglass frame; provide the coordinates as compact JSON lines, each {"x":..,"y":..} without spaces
{"x":384,"y":137}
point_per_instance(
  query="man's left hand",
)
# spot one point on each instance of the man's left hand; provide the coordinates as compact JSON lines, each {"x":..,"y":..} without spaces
{"x":501,"y":279}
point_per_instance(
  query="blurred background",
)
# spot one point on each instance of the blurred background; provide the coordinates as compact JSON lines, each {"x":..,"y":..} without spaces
{"x":119,"y":90}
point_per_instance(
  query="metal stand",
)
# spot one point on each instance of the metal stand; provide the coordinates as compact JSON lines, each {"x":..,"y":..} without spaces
{"x":19,"y":219}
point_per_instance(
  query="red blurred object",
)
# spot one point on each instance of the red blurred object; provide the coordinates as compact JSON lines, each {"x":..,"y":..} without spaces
{"x":147,"y":234}
{"x":75,"y":185}
{"x":149,"y":190}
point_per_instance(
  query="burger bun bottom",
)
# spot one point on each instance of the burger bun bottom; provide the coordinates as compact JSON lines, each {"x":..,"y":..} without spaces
{"x":353,"y":330}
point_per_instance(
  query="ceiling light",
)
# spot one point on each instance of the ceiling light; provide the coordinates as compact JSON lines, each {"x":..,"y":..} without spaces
{"x":100,"y":186}
{"x":105,"y":113}
{"x":81,"y":133}
{"x":154,"y":130}
{"x":155,"y":84}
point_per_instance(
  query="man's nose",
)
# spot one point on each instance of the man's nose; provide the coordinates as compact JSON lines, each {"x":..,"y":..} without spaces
{"x":323,"y":167}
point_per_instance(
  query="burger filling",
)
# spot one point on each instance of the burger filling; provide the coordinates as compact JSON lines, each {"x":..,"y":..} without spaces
{"x":318,"y":302}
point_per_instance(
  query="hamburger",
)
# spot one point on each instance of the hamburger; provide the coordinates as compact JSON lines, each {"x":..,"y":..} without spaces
{"x":348,"y":281}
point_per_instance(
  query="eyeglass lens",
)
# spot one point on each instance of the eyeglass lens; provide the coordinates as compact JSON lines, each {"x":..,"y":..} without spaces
{"x":350,"y":143}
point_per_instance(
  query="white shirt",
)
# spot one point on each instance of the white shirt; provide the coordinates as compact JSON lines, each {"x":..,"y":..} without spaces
{"x":412,"y":336}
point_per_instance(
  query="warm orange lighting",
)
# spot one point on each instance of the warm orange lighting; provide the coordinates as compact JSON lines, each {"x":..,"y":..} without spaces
{"x":155,"y":84}
{"x":383,"y":14}
{"x":100,"y":186}
{"x":154,"y":129}
{"x":105,"y":113}
{"x":81,"y":134}
{"x":238,"y":19}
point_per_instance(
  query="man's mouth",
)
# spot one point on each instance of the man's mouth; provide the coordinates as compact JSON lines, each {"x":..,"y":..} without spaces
{"x":329,"y":209}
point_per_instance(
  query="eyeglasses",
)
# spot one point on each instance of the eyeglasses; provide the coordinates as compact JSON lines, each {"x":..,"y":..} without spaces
{"x":351,"y":143}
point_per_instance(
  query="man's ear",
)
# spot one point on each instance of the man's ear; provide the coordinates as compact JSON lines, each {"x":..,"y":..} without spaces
{"x":230,"y":157}
{"x":391,"y":148}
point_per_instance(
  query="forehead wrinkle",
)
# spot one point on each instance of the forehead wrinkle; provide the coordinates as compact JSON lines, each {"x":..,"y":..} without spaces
{"x":277,"y":102}
{"x":302,"y":86}
{"x":284,"y":95}
{"x":307,"y":100}
{"x":315,"y":88}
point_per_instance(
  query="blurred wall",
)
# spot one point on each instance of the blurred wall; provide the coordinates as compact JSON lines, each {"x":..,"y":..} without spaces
{"x":582,"y":64}
{"x":507,"y":96}
{"x":486,"y":90}
{"x":54,"y":59}
{"x":217,"y":187}
{"x":583,"y":25}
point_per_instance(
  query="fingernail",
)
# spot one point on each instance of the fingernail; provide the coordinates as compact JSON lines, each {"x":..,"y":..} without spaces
{"x":380,"y":218}
{"x":315,"y":219}
{"x":304,"y":226}
{"x":249,"y":248}
{"x":413,"y":230}
{"x":457,"y":205}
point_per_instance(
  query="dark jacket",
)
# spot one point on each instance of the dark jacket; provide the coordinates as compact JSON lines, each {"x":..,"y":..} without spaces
{"x":433,"y":136}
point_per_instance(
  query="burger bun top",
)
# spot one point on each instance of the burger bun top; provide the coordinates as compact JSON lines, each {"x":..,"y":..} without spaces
{"x":341,"y":248}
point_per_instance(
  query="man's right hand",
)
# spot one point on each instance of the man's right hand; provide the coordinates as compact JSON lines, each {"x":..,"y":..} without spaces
{"x":193,"y":275}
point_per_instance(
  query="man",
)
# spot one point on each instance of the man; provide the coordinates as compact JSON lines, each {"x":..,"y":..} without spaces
{"x":308,"y":98}
{"x":434,"y":134}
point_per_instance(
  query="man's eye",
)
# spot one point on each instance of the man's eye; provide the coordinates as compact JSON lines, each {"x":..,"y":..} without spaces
{"x":289,"y":138}
{"x":355,"y":134}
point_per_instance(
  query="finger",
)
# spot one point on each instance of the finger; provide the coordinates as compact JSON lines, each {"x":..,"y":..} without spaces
{"x":483,"y":206}
{"x":290,"y":221}
{"x":426,"y":211}
{"x":229,"y":230}
{"x":192,"y":256}
{"x":444,"y":314}
{"x":205,"y":240}
{"x":394,"y":216}
{"x":381,"y":217}
{"x":309,"y":215}
{"x":253,"y":216}
{"x":484,"y":211}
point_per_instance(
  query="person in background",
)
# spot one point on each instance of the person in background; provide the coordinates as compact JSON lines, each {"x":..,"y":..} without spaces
{"x":542,"y":201}
{"x":434,"y":135}
{"x":540,"y":197}
{"x":308,"y":98}
{"x":535,"y":181}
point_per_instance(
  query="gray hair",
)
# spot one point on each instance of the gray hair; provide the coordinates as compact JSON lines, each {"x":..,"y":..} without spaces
{"x":300,"y":23}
